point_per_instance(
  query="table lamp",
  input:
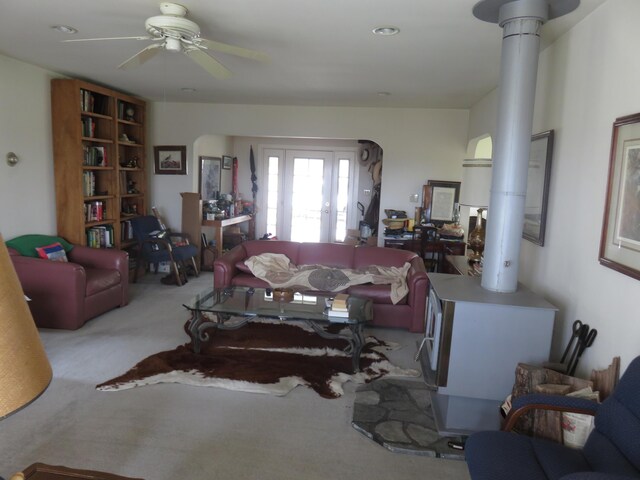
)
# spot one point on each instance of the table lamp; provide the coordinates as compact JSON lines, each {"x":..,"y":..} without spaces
{"x":475,"y":191}
{"x":24,"y":369}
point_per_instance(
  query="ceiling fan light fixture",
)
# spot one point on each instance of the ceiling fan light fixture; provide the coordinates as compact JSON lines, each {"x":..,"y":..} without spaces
{"x":173,"y":44}
{"x":64,"y":29}
{"x":386,"y":31}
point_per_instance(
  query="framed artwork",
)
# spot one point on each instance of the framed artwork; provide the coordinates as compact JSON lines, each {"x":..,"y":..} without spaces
{"x":620,"y":239}
{"x":209,"y":179}
{"x":170,"y":160}
{"x":226,"y":162}
{"x":439,"y":199}
{"x":538,"y":178}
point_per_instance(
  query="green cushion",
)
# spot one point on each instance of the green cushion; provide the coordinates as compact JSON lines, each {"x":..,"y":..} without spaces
{"x":27,"y":244}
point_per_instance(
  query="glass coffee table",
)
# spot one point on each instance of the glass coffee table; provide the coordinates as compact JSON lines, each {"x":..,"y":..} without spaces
{"x":214,"y":309}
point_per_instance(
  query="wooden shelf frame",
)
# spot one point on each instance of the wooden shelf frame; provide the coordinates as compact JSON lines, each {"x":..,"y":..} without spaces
{"x":69,"y":144}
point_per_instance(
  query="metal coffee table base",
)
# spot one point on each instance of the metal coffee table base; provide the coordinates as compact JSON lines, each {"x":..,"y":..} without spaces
{"x":198,"y":326}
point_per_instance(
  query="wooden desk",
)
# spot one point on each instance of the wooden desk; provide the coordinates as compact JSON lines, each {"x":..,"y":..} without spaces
{"x":219,"y":225}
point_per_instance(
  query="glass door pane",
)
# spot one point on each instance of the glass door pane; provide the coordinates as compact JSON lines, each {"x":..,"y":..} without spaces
{"x":309,"y":199}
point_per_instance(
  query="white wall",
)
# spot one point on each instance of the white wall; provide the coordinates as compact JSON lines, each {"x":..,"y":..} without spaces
{"x":419,"y":144}
{"x":27,"y":191}
{"x":586,"y":80}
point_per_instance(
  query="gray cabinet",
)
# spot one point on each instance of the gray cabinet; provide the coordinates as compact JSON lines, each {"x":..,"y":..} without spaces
{"x":474,"y":340}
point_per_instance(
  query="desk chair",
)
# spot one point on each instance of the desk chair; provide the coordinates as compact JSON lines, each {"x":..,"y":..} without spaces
{"x":431,"y":249}
{"x":156,"y":245}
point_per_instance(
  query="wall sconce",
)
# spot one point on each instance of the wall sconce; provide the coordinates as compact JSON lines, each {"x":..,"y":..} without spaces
{"x":12,"y":159}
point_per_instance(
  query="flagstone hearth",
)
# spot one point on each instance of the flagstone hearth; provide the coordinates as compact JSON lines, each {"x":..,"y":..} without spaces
{"x":397,"y":414}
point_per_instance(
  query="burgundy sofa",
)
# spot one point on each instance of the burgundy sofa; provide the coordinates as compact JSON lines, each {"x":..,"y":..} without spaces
{"x":409,"y":313}
{"x":67,"y":294}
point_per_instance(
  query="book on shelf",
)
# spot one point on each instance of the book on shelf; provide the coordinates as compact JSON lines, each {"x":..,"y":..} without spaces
{"x":88,"y":127}
{"x":94,"y":211}
{"x":93,"y":102}
{"x":88,"y":184}
{"x":94,"y":156}
{"x":339,"y":303}
{"x":100,"y":236}
{"x":126,"y":231}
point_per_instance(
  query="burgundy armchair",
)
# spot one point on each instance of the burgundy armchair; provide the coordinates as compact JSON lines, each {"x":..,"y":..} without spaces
{"x":67,"y":294}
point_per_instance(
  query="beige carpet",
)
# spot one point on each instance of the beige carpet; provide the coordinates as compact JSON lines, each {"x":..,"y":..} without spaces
{"x":166,"y":432}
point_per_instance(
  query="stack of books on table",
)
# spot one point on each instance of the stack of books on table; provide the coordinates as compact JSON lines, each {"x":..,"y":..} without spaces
{"x":339,"y":306}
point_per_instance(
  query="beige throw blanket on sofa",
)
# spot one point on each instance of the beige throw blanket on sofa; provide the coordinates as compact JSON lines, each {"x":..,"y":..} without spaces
{"x":277,"y":270}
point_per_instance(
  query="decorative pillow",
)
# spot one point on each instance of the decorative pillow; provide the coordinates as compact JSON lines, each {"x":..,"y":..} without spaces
{"x":54,"y":252}
{"x":27,"y":244}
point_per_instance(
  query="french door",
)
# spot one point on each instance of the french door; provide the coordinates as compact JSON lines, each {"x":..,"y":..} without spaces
{"x":308,"y":194}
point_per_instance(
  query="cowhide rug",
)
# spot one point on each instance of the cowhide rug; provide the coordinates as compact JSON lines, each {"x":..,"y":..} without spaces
{"x":263,"y":357}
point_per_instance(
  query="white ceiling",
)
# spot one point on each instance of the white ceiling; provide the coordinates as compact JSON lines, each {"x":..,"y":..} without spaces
{"x":322,"y":51}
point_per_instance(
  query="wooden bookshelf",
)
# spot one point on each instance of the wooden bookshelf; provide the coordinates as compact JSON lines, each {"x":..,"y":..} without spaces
{"x":99,"y":162}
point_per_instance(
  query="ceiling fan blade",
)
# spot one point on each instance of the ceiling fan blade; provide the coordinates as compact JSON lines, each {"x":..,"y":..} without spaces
{"x":109,"y":38}
{"x":231,"y":49}
{"x":141,"y":57}
{"x":210,"y":64}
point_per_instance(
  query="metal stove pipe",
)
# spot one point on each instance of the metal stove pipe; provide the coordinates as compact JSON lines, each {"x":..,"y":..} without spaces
{"x":521,"y":21}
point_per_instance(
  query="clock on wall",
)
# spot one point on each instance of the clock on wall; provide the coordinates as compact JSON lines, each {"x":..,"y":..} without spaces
{"x":365,"y":155}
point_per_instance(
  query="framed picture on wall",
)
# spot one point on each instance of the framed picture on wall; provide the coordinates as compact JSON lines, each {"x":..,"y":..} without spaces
{"x":226,"y":162}
{"x":209,"y":178}
{"x":620,"y":238}
{"x":538,"y":178}
{"x":440,"y":200}
{"x":170,"y":160}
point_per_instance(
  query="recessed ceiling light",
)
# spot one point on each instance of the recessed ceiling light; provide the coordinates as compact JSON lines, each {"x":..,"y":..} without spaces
{"x":188,"y":89}
{"x":386,"y":31}
{"x":64,"y":29}
{"x":383,"y":94}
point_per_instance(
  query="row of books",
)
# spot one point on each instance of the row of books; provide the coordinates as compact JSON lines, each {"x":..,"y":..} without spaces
{"x":94,"y":211}
{"x":88,"y":184}
{"x":339,"y":306}
{"x":93,"y":102}
{"x":88,"y":127}
{"x":100,"y":237}
{"x":94,"y":156}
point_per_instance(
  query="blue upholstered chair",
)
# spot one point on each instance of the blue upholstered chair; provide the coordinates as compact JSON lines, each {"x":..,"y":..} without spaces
{"x":157,"y":245}
{"x":612,"y":451}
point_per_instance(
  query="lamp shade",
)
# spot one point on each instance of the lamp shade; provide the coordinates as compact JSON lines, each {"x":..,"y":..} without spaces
{"x":24,"y":369}
{"x":475,"y":189}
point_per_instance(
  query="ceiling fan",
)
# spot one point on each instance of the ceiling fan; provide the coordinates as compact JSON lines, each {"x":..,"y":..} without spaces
{"x":173,"y":32}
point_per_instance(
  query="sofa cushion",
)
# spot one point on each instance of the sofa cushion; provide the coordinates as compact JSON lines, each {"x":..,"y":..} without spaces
{"x":382,"y":256}
{"x":379,"y":294}
{"x":54,"y":252}
{"x":257,"y":247}
{"x":99,"y":279}
{"x":27,"y":244}
{"x":242,"y":267}
{"x":326,"y":254}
